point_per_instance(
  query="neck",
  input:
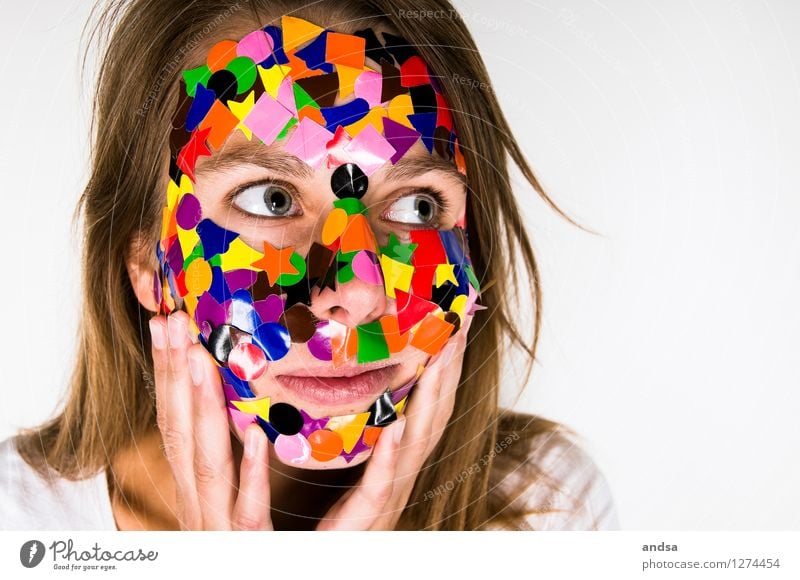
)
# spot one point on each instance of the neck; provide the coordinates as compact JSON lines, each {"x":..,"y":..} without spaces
{"x":143,"y":494}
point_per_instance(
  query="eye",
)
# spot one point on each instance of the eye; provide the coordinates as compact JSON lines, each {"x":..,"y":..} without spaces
{"x":415,"y":209}
{"x":268,"y":200}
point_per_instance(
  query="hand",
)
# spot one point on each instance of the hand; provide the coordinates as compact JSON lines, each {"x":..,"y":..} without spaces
{"x":378,"y":500}
{"x":192,"y":418}
{"x":193,"y":421}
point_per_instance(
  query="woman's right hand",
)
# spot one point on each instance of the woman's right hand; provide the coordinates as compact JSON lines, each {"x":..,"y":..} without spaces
{"x":193,"y":420}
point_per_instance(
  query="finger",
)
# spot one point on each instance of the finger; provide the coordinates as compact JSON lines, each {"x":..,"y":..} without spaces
{"x":213,"y":457}
{"x":369,"y":500}
{"x":431,"y":406}
{"x":174,"y":407}
{"x":253,"y":502}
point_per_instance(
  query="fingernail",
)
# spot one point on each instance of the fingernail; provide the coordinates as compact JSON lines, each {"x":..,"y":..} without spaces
{"x":398,"y":433}
{"x":177,"y":331}
{"x":195,"y":369}
{"x":157,"y":334}
{"x":252,"y":443}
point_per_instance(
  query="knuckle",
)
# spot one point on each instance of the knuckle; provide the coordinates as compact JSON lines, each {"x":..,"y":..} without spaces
{"x":246,"y":522}
{"x":417,"y":447}
{"x":174,"y":441}
{"x":204,"y":471}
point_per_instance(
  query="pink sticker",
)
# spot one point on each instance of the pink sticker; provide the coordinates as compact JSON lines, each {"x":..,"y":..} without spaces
{"x":368,"y":86}
{"x":240,"y":419}
{"x":337,"y":148}
{"x":293,"y":448}
{"x":267,"y":118}
{"x":286,"y":95}
{"x":308,"y":142}
{"x":256,"y":45}
{"x":369,"y":150}
{"x":367,"y":268}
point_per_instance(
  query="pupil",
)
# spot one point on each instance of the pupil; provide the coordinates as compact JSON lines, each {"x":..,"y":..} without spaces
{"x":278,"y":202}
{"x":424,"y":209}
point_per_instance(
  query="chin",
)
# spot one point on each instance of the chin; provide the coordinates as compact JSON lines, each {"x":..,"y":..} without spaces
{"x":311,"y":463}
{"x":336,"y":463}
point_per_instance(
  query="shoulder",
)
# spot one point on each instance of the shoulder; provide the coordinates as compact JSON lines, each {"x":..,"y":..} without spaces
{"x":29,"y":501}
{"x":553,"y":481}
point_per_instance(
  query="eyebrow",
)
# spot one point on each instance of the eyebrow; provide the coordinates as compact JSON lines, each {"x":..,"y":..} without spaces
{"x":272,"y":159}
{"x":408,"y":167}
{"x":279,"y":161}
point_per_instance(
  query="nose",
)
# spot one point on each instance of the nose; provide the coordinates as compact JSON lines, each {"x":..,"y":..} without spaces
{"x":356,"y":301}
{"x":352,"y":303}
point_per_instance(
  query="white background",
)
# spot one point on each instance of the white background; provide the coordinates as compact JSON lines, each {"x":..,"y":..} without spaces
{"x":670,"y":339}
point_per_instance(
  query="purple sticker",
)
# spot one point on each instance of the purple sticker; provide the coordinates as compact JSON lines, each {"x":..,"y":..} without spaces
{"x":239,"y":279}
{"x":269,"y":309}
{"x":189,"y":212}
{"x":311,"y":424}
{"x":400,"y":137}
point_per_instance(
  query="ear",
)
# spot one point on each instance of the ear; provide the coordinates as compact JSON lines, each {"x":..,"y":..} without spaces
{"x":140,"y":262}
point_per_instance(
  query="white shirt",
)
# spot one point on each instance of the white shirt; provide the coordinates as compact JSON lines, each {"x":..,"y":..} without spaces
{"x":28,"y":502}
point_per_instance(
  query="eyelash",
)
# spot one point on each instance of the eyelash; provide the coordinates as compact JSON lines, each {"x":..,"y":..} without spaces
{"x":442,"y":206}
{"x":259,"y":219}
{"x":441,"y":202}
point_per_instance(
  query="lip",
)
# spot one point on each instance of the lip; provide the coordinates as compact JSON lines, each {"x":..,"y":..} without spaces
{"x":341,"y":386}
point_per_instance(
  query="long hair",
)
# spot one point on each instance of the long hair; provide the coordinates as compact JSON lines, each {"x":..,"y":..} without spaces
{"x":145,"y":44}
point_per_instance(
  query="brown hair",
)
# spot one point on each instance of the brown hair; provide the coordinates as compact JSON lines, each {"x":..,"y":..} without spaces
{"x":145,"y":44}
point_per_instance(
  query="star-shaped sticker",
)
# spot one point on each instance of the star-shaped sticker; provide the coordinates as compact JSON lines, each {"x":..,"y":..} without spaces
{"x":276,"y":262}
{"x":397,"y":251}
{"x":197,"y":146}
{"x":445,"y":273}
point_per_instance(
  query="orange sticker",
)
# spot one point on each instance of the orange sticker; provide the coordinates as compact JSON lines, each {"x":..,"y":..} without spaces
{"x":221,"y":121}
{"x":345,"y":49}
{"x":391,"y":331}
{"x":221,"y":54}
{"x":358,"y":235}
{"x":276,"y":262}
{"x":325,"y":444}
{"x":432,"y":334}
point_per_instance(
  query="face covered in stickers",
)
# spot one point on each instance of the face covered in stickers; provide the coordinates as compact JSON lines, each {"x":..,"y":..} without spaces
{"x":314,"y":232}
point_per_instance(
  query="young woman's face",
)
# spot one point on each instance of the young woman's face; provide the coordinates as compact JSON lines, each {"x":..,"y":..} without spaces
{"x":323,"y":266}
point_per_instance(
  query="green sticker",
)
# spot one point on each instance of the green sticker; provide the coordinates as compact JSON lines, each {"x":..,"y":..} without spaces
{"x":216,"y":260}
{"x":371,"y":342}
{"x":397,"y":251}
{"x":351,"y":205}
{"x":193,"y":76}
{"x":245,"y":70}
{"x":472,"y":279}
{"x":292,"y":122}
{"x":197,"y":252}
{"x":290,"y":279}
{"x":302,"y":98}
{"x":345,"y":270}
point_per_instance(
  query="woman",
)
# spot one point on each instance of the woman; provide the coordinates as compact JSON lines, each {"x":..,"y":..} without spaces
{"x":337,"y":212}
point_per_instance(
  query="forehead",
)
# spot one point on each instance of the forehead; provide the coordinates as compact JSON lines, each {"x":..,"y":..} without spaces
{"x":325,"y":97}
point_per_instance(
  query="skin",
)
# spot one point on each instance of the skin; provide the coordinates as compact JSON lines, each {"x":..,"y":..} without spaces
{"x":194,"y":472}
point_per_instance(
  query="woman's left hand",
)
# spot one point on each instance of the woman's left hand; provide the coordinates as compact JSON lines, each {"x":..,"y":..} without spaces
{"x":379,"y":498}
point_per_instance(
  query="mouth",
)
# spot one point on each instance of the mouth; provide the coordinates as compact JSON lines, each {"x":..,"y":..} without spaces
{"x":341,"y":386}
